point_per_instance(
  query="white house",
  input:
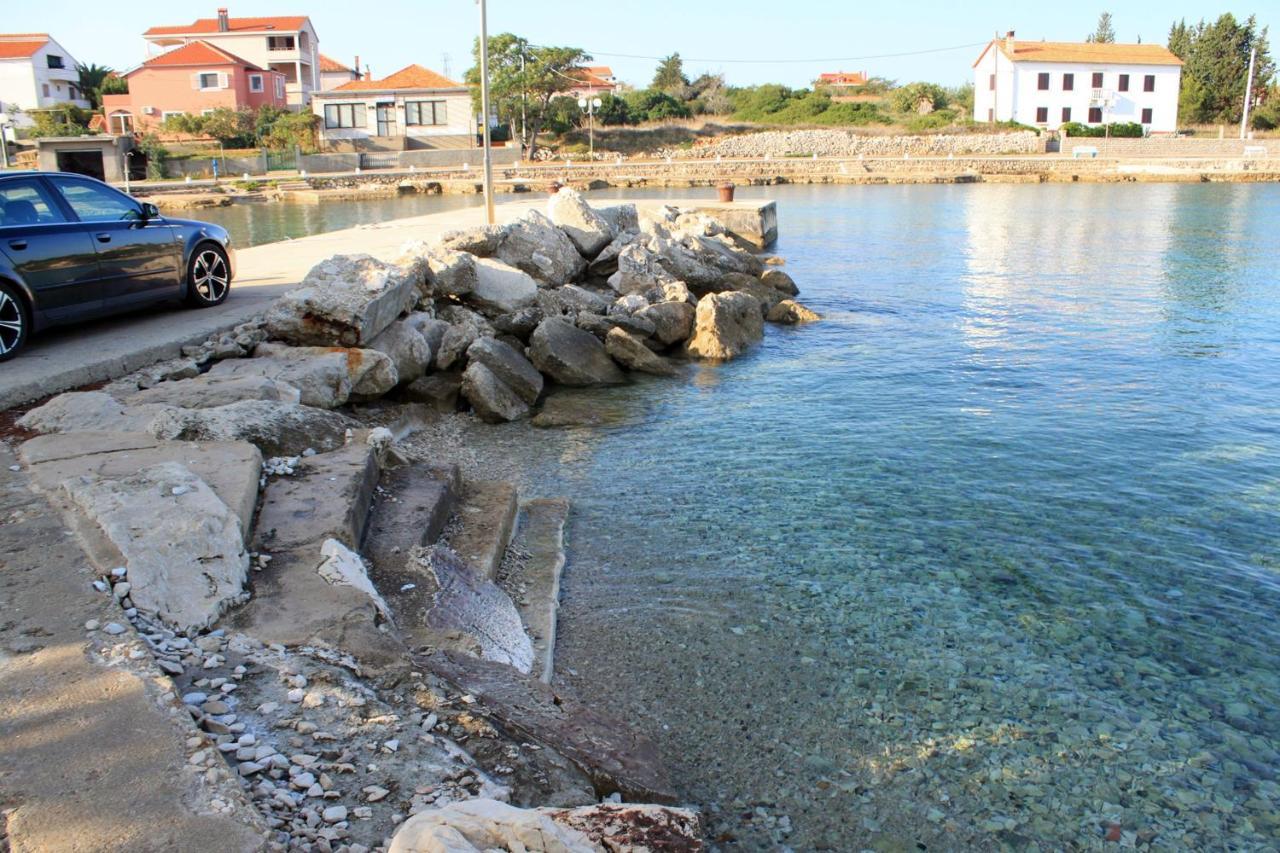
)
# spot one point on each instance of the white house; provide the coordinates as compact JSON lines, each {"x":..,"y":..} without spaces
{"x":36,"y":73}
{"x":1047,"y":84}
{"x":287,"y":44}
{"x":413,"y":108}
{"x":333,"y":73}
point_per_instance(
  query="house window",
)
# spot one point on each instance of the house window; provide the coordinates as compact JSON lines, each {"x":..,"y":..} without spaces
{"x":280,"y":43}
{"x":1097,"y":79}
{"x":991,"y":82}
{"x":55,"y":61}
{"x":991,"y":114}
{"x":1068,"y":82}
{"x":425,"y":113}
{"x":123,"y":123}
{"x":1042,"y":81}
{"x":45,"y":88}
{"x":1146,"y":115}
{"x":344,"y":115}
{"x":255,"y":82}
{"x":208,"y":80}
{"x":1149,"y":83}
{"x":1095,"y":115}
{"x":168,"y":114}
{"x":1042,"y":115}
{"x":1066,"y":114}
{"x":1124,"y":83}
{"x":279,"y":86}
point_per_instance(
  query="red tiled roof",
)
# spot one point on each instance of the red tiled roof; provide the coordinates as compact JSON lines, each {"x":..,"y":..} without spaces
{"x":1092,"y":53}
{"x":206,"y":26}
{"x":197,"y":53}
{"x":329,"y":64}
{"x":21,"y":45}
{"x":843,"y":78}
{"x":593,"y":76}
{"x":410,"y":77}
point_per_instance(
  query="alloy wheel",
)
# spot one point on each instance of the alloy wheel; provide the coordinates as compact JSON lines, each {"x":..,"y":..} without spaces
{"x":209,"y":276}
{"x":11,"y":323}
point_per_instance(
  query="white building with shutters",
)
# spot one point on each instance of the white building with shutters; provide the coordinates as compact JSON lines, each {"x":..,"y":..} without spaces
{"x":36,"y":73}
{"x":1047,"y":84}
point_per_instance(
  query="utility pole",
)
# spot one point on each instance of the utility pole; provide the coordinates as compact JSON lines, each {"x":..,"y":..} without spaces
{"x":484,"y":113}
{"x":1248,"y":95}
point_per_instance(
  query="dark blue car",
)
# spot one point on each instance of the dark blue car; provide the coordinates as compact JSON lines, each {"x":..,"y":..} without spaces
{"x":74,"y":248}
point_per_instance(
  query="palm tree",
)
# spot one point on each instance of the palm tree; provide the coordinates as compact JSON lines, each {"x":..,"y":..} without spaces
{"x":91,"y":79}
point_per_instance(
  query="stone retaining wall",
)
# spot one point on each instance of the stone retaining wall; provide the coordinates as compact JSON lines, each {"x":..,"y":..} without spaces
{"x":1171,"y":147}
{"x":846,"y":143}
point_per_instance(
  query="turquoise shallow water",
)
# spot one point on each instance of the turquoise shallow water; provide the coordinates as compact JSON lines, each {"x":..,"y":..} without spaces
{"x":988,"y":557}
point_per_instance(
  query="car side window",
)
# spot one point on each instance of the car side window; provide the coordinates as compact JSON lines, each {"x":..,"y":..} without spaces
{"x":27,"y":202}
{"x":96,"y":203}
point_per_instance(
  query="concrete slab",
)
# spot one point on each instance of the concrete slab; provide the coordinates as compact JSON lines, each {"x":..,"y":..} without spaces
{"x":486,"y":517}
{"x":327,"y":497}
{"x":93,"y":746}
{"x":232,"y":469}
{"x":534,"y":580}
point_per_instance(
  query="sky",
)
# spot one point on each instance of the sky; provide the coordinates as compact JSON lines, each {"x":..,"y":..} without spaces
{"x":749,"y":41}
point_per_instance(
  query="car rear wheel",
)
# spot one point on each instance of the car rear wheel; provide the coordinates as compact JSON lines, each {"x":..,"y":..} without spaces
{"x":15,"y":321}
{"x":208,"y":276}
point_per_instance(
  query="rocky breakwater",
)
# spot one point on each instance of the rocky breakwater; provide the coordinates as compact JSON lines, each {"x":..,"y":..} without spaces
{"x":340,"y":617}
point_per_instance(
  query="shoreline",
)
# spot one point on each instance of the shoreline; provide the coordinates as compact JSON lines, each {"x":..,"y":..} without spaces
{"x":1029,"y":169}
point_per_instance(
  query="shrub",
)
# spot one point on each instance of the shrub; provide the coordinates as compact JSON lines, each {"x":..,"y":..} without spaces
{"x":156,"y":155}
{"x":1119,"y":130}
{"x":906,"y":99}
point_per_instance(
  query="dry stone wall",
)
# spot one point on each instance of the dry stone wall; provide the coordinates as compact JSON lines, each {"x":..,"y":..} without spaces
{"x":845,"y":143}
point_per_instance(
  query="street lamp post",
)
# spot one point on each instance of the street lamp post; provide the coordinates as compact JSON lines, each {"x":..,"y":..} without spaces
{"x":589,"y":107}
{"x":484,"y":113}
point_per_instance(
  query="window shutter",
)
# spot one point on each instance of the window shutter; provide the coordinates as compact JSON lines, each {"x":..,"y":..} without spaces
{"x":224,"y":80}
{"x":195,"y":80}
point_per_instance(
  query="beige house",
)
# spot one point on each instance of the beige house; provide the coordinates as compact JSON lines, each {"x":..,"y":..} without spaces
{"x":333,"y":73}
{"x":413,"y":108}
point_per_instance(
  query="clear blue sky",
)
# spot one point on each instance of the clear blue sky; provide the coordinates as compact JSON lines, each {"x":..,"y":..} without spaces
{"x":389,"y":34}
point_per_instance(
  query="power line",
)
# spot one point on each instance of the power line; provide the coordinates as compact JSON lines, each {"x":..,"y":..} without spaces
{"x":795,"y":61}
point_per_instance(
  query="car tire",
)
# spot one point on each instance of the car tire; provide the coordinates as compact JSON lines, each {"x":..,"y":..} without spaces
{"x":15,"y":321}
{"x":208,"y":276}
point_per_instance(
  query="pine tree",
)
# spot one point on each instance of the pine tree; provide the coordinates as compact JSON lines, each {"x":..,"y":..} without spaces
{"x":1216,"y":63}
{"x":1105,"y":33}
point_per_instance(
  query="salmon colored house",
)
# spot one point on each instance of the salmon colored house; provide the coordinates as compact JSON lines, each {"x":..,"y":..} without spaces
{"x":194,"y":79}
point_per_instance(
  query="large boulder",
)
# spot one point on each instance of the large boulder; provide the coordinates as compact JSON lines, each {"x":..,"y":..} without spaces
{"x":789,"y":312}
{"x":589,"y":231}
{"x":780,"y":281}
{"x":346,"y":300}
{"x":500,"y":288}
{"x":725,"y":325}
{"x":581,"y":299}
{"x":326,"y":377}
{"x":404,"y":344}
{"x":81,"y":411}
{"x":631,"y":353}
{"x":450,"y":273}
{"x":431,"y":328}
{"x":508,"y":365}
{"x":639,"y":270}
{"x":437,"y":390}
{"x":183,"y":547}
{"x":622,"y":218}
{"x":487,"y":826}
{"x":278,"y":429}
{"x":519,"y":324}
{"x":672,"y":321}
{"x":202,"y":392}
{"x":480,"y":240}
{"x":492,"y":399}
{"x":743,"y":283}
{"x":535,"y":245}
{"x":572,"y":356}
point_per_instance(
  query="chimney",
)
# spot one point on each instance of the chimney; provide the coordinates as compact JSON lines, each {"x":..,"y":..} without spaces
{"x":224,"y":23}
{"x":368,"y":75}
{"x":1008,"y":41}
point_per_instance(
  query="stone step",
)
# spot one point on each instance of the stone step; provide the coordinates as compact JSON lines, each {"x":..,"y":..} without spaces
{"x":412,"y":506}
{"x":485,"y":518}
{"x":327,"y":497}
{"x":533,"y":579}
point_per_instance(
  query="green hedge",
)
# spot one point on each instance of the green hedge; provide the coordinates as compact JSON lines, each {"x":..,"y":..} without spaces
{"x":1129,"y":130}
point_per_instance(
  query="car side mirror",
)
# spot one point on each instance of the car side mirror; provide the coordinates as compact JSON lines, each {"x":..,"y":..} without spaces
{"x":150,"y":211}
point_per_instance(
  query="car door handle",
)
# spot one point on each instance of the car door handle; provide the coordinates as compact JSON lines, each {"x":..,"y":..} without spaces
{"x":19,"y":245}
{"x":104,"y":238}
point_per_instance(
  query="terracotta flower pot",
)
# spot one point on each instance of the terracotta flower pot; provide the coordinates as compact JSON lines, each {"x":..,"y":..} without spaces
{"x":726,"y":192}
